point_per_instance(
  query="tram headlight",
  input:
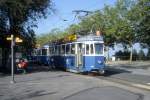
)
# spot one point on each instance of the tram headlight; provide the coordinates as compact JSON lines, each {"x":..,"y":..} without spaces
{"x":99,"y":62}
{"x":92,"y":66}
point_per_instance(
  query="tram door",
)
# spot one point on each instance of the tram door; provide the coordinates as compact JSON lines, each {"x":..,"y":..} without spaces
{"x":79,"y":55}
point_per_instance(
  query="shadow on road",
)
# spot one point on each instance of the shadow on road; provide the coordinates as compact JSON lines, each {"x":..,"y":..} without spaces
{"x":114,"y":71}
{"x":35,"y":68}
{"x":32,"y":68}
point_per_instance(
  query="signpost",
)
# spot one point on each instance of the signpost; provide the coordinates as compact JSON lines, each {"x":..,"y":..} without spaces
{"x":13,"y":40}
{"x":12,"y":59}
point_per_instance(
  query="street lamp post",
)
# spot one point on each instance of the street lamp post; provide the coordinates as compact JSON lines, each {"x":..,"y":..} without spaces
{"x":12,"y":59}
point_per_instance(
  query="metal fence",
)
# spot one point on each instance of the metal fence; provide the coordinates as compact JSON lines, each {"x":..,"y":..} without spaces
{"x":125,"y":58}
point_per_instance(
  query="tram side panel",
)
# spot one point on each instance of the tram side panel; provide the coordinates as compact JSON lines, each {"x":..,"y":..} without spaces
{"x":58,"y":61}
{"x":70,"y":62}
{"x":88,"y":63}
{"x":93,"y":63}
{"x":44,"y":60}
{"x":100,"y":63}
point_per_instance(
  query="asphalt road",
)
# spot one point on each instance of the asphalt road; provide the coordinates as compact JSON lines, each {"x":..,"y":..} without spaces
{"x":136,"y":72}
{"x":42,"y":84}
{"x":105,"y":93}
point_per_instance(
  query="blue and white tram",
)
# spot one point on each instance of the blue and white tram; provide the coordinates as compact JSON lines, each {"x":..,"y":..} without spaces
{"x":86,"y":54}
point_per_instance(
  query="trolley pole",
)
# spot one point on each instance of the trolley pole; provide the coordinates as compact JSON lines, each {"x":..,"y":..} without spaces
{"x":12,"y":59}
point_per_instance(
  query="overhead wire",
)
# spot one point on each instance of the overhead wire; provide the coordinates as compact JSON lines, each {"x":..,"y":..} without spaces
{"x":74,"y":15}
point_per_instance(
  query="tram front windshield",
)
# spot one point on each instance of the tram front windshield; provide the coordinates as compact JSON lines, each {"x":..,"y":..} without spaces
{"x":98,"y":48}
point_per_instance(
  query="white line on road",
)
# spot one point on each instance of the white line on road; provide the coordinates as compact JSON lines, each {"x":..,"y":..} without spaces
{"x":141,"y":86}
{"x":148,"y":83}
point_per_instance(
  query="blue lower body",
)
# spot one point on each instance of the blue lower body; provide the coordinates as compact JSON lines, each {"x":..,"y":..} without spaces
{"x":93,"y":63}
{"x":89,"y":63}
{"x":44,"y":60}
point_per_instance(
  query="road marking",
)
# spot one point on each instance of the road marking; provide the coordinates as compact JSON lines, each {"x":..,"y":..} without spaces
{"x":141,"y":86}
{"x":148,"y":83}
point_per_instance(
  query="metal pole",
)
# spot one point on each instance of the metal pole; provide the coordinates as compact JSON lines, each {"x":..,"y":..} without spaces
{"x":12,"y":59}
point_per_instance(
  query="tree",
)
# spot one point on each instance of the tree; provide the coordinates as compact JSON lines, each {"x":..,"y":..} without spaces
{"x":20,"y":14}
{"x":148,"y":55}
{"x":142,"y":10}
{"x":18,"y":17}
{"x":54,"y":34}
{"x":135,"y":54}
{"x":141,"y":55}
{"x":73,"y":29}
{"x":119,"y":24}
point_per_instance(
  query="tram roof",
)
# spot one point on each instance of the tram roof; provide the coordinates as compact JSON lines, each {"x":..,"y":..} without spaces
{"x":90,"y":37}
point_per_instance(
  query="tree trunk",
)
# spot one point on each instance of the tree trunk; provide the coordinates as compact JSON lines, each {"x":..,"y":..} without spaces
{"x":5,"y":60}
{"x":108,"y":53}
{"x":131,"y":52}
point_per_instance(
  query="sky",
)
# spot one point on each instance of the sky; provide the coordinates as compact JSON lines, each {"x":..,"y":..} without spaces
{"x":64,"y":10}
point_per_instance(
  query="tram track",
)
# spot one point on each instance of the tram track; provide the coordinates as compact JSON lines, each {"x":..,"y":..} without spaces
{"x":128,"y":83}
{"x":122,"y":81}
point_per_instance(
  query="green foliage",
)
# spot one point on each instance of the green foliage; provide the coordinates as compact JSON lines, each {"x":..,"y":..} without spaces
{"x":148,"y":54}
{"x":53,"y":35}
{"x":143,"y":25}
{"x":112,"y":22}
{"x":74,"y":28}
{"x":141,"y":55}
{"x":18,"y":17}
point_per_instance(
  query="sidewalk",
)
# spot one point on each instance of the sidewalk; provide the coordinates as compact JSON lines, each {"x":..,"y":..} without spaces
{"x":136,"y":67}
{"x":132,"y":64}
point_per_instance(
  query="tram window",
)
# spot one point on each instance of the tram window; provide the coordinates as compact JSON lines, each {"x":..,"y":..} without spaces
{"x":87,"y":48}
{"x":79,"y":49}
{"x":83,"y":49}
{"x":57,"y":49}
{"x":53,"y":50}
{"x":67,"y":49}
{"x":50,"y":50}
{"x":98,"y":48}
{"x":34,"y":53}
{"x":73,"y":49}
{"x":44,"y":51}
{"x":38,"y":52}
{"x":62,"y":49}
{"x":91,"y":48}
